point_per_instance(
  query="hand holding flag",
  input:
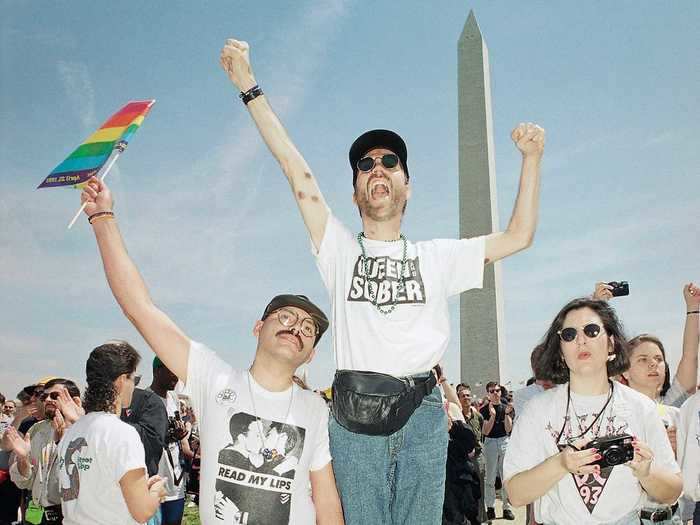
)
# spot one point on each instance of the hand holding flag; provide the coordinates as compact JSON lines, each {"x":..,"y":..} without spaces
{"x":97,"y":155}
{"x":96,"y":197}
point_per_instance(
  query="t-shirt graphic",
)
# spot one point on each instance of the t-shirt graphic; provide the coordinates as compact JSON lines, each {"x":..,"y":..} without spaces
{"x":589,"y":486}
{"x":74,"y":463}
{"x":256,"y":471}
{"x":383,"y":281}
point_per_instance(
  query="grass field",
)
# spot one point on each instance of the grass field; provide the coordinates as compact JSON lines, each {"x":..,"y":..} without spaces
{"x":191,"y":514}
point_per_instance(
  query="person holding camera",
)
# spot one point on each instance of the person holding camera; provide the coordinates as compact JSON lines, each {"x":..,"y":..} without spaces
{"x":649,"y":372}
{"x":170,"y":466}
{"x":589,"y":450}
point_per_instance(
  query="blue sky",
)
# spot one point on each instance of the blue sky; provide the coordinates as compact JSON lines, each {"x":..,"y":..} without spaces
{"x":209,"y":218}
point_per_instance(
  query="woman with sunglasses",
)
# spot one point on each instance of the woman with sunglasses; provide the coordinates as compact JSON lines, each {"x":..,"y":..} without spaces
{"x":101,"y":461}
{"x":547,"y":461}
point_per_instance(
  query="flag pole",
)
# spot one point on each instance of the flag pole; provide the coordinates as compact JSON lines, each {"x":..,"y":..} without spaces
{"x":118,"y":150}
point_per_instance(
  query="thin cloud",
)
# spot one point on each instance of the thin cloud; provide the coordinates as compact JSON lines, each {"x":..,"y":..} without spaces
{"x":80,"y":93}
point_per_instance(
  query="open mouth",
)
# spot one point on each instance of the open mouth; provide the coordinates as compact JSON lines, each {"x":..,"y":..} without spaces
{"x":378,"y":189}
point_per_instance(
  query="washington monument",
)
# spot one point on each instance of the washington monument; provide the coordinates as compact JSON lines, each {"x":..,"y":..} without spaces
{"x":481,"y":311}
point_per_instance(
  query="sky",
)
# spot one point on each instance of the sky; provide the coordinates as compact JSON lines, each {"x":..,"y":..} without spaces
{"x":208,"y":216}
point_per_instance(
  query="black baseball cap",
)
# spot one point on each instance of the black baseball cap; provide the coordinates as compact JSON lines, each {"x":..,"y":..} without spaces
{"x":303,"y":302}
{"x":377,"y":138}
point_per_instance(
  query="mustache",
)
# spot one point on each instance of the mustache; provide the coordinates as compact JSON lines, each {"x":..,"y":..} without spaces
{"x":301,"y":344}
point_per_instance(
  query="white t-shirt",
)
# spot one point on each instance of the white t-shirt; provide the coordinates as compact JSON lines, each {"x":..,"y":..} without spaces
{"x":239,"y":483}
{"x":523,"y":395}
{"x":688,"y":439}
{"x":414,"y":337}
{"x":675,"y":395}
{"x":93,"y":455}
{"x":587,"y":499}
{"x":167,"y":471}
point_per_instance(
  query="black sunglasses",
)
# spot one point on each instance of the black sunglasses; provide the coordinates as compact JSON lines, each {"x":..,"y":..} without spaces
{"x":52,"y":395}
{"x":591,"y":330}
{"x":389,"y":161}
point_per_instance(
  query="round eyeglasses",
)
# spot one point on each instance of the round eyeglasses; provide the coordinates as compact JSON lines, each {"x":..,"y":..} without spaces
{"x":290,"y":318}
{"x":591,"y":331}
{"x":389,"y":161}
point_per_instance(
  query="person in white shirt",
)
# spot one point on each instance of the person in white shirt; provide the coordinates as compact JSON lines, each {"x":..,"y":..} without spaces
{"x":389,"y":299}
{"x":689,"y":454}
{"x":265,"y":454}
{"x":101,"y":462}
{"x":547,"y":461}
{"x":649,"y":371}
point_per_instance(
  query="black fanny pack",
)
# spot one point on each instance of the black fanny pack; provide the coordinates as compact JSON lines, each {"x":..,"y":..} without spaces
{"x":377,"y":404}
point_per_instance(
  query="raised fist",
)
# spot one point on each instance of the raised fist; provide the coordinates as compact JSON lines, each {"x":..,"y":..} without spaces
{"x":691,"y":294}
{"x":235,"y":61}
{"x":529,"y":138}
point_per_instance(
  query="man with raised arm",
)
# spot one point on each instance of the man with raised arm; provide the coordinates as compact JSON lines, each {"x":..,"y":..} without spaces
{"x":265,"y":452}
{"x":390,"y":314}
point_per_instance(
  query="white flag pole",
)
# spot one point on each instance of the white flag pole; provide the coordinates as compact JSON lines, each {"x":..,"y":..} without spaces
{"x":118,"y":150}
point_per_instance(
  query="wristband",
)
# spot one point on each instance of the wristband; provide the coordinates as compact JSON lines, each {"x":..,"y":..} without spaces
{"x":100,"y":215}
{"x":693,"y":312}
{"x":254,"y":92}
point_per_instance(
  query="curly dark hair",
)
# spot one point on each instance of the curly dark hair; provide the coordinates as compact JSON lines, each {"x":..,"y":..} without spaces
{"x":648,"y":338}
{"x":550,"y":363}
{"x":105,"y":364}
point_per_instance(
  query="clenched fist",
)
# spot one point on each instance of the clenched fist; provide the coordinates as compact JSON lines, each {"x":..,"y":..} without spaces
{"x":235,"y":61}
{"x":529,"y":138}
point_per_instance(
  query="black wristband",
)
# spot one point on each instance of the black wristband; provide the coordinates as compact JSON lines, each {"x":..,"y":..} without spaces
{"x":693,"y":312}
{"x":254,"y":92}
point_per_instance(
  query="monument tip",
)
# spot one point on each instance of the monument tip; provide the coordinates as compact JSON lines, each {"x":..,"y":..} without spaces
{"x":471,"y":29}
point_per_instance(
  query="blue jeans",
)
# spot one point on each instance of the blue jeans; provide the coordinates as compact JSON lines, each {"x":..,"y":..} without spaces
{"x":396,"y":479}
{"x":495,"y":451}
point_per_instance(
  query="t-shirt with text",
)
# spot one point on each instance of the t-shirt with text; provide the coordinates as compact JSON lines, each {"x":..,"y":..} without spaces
{"x":414,"y":337}
{"x":93,"y":456}
{"x":256,"y":455}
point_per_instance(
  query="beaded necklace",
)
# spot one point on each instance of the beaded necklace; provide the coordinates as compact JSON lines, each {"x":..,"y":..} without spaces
{"x":267,"y":453}
{"x":373,"y":297}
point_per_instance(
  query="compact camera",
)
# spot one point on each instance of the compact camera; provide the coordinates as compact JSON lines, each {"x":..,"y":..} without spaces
{"x":172,"y":431}
{"x":615,"y":450}
{"x":619,"y":288}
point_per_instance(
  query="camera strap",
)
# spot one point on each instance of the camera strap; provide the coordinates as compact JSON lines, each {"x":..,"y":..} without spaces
{"x":566,"y":413}
{"x":176,"y":480}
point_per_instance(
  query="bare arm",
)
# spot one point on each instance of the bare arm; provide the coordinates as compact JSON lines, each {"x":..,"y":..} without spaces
{"x":325,"y":496}
{"x":688,"y":365}
{"x":142,"y":495}
{"x":314,"y":211}
{"x":162,"y":335}
{"x":520,"y":232}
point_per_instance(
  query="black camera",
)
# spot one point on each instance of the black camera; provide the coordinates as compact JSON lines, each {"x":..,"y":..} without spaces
{"x":619,"y":288}
{"x":615,"y":450}
{"x":173,"y":433}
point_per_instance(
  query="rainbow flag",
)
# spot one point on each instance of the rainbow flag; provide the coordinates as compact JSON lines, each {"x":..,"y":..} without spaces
{"x":91,"y":155}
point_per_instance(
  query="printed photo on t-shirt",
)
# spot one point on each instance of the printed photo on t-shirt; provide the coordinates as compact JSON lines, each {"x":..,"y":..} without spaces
{"x":590,"y":487}
{"x":256,"y":471}
{"x":382,"y":282}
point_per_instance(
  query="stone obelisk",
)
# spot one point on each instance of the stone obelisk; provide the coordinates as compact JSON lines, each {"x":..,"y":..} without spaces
{"x":481,"y":311}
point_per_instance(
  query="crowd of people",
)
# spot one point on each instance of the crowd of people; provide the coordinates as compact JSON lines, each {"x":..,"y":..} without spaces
{"x":604,"y":433}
